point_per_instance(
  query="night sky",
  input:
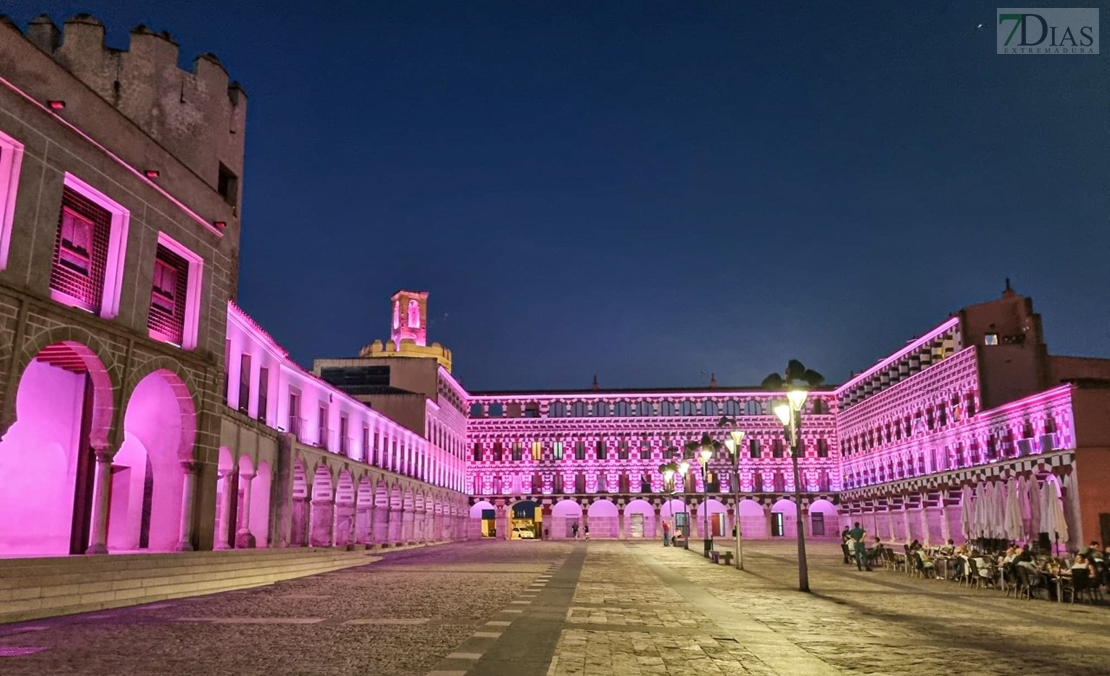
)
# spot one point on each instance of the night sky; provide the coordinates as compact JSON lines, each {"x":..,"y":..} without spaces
{"x":652,"y":193}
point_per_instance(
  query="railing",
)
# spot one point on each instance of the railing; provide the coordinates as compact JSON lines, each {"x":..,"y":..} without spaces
{"x":346,"y":445}
{"x":326,"y":439}
{"x":299,"y":428}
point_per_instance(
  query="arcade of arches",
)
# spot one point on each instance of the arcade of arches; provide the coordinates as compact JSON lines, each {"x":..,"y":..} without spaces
{"x":649,"y":518}
{"x":79,"y":476}
{"x":71,"y":484}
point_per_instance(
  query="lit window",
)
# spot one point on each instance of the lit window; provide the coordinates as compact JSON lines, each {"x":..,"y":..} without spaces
{"x":11,"y":159}
{"x":990,"y":339}
{"x":81,"y":251}
{"x":166,"y":320}
{"x":87,"y":266}
{"x":175,"y":294}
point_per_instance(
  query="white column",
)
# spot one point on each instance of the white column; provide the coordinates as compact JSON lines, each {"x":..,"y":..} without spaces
{"x":99,"y":534}
{"x":244,"y":537}
{"x":188,"y":494}
{"x":225,"y":510}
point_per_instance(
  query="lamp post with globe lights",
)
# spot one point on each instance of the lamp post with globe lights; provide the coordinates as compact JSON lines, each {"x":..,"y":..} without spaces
{"x":669,"y":470}
{"x":789,"y":412}
{"x":733,"y":444}
{"x":796,"y":380}
{"x":703,"y":451}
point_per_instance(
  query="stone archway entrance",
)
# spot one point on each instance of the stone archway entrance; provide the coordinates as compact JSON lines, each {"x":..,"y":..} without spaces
{"x":526,"y":521}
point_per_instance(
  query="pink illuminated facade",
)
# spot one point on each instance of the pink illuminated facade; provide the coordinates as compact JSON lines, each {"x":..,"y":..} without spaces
{"x":591,"y":458}
{"x":345,"y":474}
{"x":142,"y":410}
{"x":976,"y":404}
{"x":114,"y":285}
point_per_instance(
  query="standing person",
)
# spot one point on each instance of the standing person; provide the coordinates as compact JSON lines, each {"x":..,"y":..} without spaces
{"x":858,"y":534}
{"x":844,"y":538}
{"x":586,"y":529}
{"x":574,"y":529}
{"x":666,"y":533}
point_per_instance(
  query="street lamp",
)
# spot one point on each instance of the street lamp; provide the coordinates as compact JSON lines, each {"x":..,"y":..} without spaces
{"x":733,"y":444}
{"x":789,"y":413}
{"x":704,"y":456}
{"x":684,"y":468}
{"x":668,"y":471}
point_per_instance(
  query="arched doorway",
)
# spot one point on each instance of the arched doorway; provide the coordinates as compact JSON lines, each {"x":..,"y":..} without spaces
{"x":639,"y":516}
{"x":784,"y":519}
{"x":322,"y":508}
{"x":483,"y":520}
{"x":602,"y":519}
{"x":48,"y":467}
{"x":298,"y":536}
{"x":823,"y":519}
{"x":159,"y":429}
{"x":753,"y":522}
{"x":526,"y":521}
{"x":565,"y":516}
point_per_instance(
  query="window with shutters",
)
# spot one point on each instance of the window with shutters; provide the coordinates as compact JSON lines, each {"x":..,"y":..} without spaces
{"x":87,"y":265}
{"x":175,"y":294}
{"x":166,"y":320}
{"x":81,"y":251}
{"x":11,"y":159}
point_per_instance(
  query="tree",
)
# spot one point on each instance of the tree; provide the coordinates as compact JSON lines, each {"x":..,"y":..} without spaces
{"x":796,"y":373}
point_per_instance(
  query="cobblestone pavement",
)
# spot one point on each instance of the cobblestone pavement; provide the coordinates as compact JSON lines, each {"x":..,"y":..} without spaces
{"x":398,"y":616}
{"x":645,"y":609}
{"x":577,"y":609}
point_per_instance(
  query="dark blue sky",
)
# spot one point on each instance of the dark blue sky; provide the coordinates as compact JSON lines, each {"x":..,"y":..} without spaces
{"x":649,"y":192}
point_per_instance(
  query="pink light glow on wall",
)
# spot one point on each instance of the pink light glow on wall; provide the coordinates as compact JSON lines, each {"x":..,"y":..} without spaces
{"x":38,"y":462}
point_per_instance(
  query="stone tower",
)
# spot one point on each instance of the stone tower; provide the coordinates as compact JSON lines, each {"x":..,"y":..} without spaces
{"x":408,"y":332}
{"x":410,"y":318}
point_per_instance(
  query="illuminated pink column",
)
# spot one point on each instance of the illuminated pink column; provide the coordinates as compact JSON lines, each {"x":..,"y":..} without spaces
{"x":244,"y":539}
{"x":189,"y":470}
{"x":396,"y":514}
{"x":944,"y":527}
{"x":620,"y":522}
{"x":99,"y":535}
{"x":225,"y":510}
{"x":380,"y":532}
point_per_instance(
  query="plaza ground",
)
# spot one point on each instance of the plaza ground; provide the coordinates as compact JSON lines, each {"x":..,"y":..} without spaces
{"x":559,"y":609}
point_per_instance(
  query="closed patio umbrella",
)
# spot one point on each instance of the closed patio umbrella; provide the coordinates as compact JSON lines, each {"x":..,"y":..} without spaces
{"x":1014,"y":525}
{"x":1052,"y":513}
{"x":967,"y":514}
{"x":1034,"y":498}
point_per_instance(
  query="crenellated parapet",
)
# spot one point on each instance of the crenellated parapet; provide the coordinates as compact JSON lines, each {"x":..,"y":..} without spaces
{"x":407,"y":348}
{"x":198,"y":115}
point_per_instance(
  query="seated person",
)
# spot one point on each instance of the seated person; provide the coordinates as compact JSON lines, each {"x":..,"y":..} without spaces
{"x":948,"y":549}
{"x":928,"y":566}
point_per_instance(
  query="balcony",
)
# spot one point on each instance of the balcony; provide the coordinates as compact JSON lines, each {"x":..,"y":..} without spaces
{"x":346,"y":446}
{"x":298,"y":427}
{"x":325,"y":439}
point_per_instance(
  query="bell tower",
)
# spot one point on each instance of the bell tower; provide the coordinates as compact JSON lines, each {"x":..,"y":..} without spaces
{"x":408,"y":332}
{"x":410,"y":318}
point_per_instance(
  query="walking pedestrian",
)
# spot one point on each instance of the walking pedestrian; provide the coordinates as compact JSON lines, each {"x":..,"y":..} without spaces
{"x":844,"y":538}
{"x":574,"y":529}
{"x":587,"y":530}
